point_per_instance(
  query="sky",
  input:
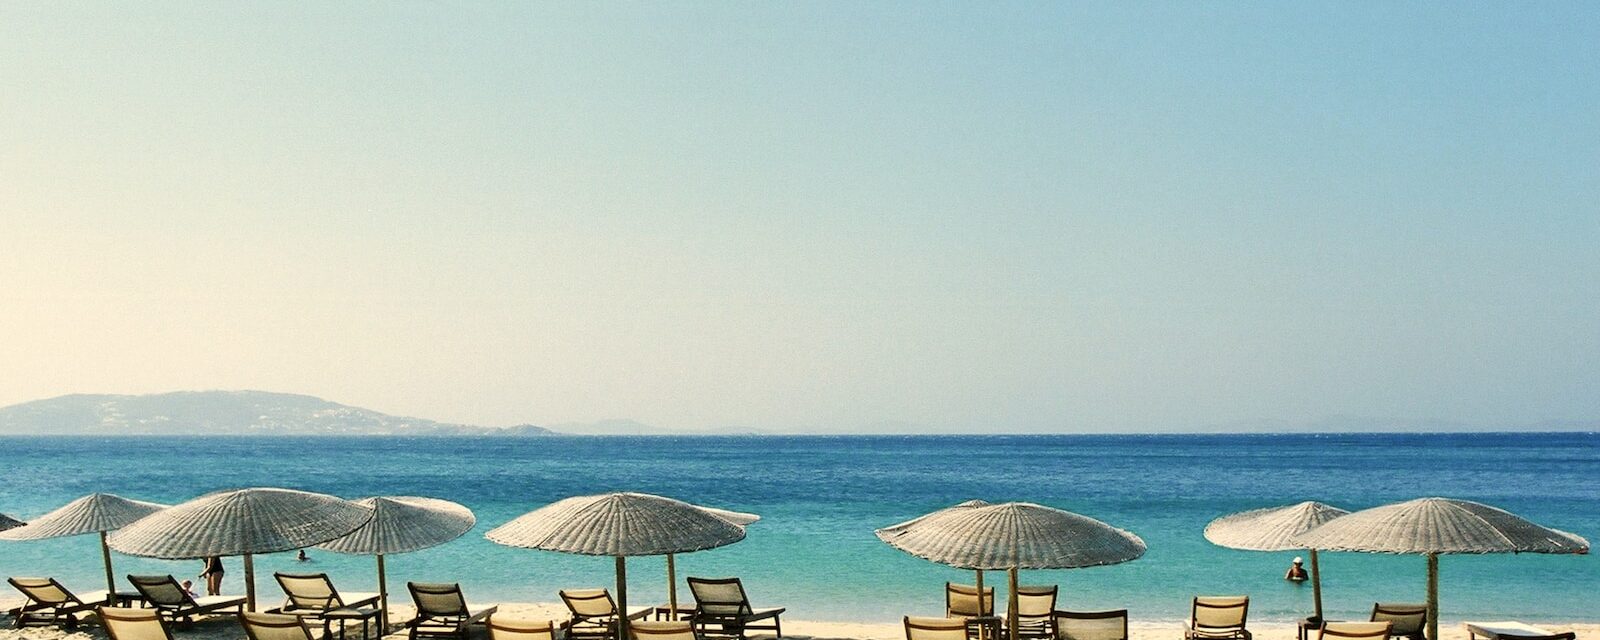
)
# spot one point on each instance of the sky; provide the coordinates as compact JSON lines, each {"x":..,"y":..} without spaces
{"x":973,"y":217}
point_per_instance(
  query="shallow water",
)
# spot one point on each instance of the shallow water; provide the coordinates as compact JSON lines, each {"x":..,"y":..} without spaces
{"x":821,"y":498}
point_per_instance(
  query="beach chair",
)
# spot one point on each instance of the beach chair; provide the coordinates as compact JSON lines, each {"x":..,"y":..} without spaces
{"x":1036,"y":608}
{"x":442,"y":611}
{"x":1092,"y":625}
{"x":1218,"y":618}
{"x":49,"y":603}
{"x":722,"y":602}
{"x":275,"y":626}
{"x":961,"y":601}
{"x":935,"y":628}
{"x":1354,"y":631}
{"x":1406,"y":620}
{"x":313,"y":594}
{"x":663,"y":630}
{"x":134,"y":624}
{"x":594,"y":613}
{"x":504,"y":628}
{"x":175,"y":604}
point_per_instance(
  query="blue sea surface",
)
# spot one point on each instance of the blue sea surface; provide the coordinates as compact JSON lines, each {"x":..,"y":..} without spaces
{"x":820,"y":499}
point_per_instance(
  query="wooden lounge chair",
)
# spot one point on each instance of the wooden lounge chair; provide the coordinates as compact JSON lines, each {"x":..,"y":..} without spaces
{"x":1218,"y":618}
{"x":1354,"y":631}
{"x":274,"y":626}
{"x":312,"y":594}
{"x":722,"y":602}
{"x":935,"y":628}
{"x":594,"y":613}
{"x":961,"y":601}
{"x":442,"y":611}
{"x":503,"y":628}
{"x":1092,"y":625}
{"x":1036,"y":608}
{"x":134,"y":624}
{"x":663,"y":630}
{"x":1406,"y":620}
{"x":50,"y":603}
{"x":175,"y":604}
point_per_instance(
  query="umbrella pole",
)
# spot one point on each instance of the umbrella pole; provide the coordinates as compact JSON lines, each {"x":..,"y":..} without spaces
{"x":622,"y":598}
{"x":383,"y":598}
{"x":111,"y":581}
{"x":1011,"y":603}
{"x":249,"y":582}
{"x":1433,"y":596}
{"x":1316,"y":584}
{"x":981,"y":612}
{"x":672,"y":589}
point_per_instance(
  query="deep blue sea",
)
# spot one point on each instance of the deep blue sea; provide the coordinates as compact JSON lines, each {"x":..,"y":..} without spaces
{"x":821,"y":497}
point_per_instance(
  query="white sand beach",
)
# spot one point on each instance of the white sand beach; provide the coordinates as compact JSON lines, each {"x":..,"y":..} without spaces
{"x":226,"y":628}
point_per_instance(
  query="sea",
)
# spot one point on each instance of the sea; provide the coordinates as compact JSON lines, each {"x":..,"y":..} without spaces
{"x":820,"y":498}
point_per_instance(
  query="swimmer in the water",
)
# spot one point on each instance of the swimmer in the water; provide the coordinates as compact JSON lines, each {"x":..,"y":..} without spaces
{"x":1297,"y":573}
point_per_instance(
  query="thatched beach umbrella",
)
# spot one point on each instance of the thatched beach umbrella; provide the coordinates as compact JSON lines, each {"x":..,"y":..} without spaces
{"x":402,"y":524}
{"x":1431,"y":526}
{"x":94,"y":513}
{"x":1275,"y":529}
{"x":241,"y":522}
{"x":1015,"y":535}
{"x":893,"y":530}
{"x":737,"y":517}
{"x":619,"y":525}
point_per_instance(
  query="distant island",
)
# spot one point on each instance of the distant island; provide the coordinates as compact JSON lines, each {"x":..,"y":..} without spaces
{"x":223,"y":413}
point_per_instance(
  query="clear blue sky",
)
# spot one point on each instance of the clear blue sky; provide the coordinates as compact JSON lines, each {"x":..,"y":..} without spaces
{"x":965,"y":216}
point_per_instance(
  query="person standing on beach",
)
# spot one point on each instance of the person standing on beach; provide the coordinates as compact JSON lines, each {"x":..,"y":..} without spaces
{"x":1297,"y":573}
{"x":213,"y":575}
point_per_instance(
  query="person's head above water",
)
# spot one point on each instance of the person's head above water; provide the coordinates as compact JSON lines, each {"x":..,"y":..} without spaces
{"x":1297,"y":560}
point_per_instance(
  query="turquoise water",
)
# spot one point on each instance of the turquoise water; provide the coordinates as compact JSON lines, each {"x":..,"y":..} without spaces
{"x":821,"y":498}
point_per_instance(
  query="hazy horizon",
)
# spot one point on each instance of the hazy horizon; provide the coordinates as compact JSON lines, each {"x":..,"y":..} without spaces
{"x":1005,"y":217}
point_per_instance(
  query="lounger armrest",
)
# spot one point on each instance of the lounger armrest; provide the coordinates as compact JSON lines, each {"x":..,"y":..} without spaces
{"x":479,"y":614}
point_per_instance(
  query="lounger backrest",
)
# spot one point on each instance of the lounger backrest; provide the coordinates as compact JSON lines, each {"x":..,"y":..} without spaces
{"x":1220,"y":612}
{"x":438,"y":599}
{"x":504,"y":628}
{"x":273,"y":626}
{"x":133,"y":624}
{"x":935,"y":628}
{"x":1405,"y":619}
{"x":664,"y":630}
{"x":162,"y":591}
{"x":589,"y":603}
{"x":1036,"y":602}
{"x":44,"y":591}
{"x":1355,"y":630}
{"x":962,"y":600}
{"x":1092,"y":625}
{"x":723,"y":596}
{"x":309,"y":591}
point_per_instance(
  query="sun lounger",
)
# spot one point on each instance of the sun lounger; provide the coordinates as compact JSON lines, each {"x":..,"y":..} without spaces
{"x":1406,"y":620}
{"x":961,"y":601}
{"x":1512,"y":630}
{"x":168,"y":597}
{"x":1036,"y":607}
{"x":1354,"y":631}
{"x":504,"y":628}
{"x":274,"y":626}
{"x":134,"y":624}
{"x":723,"y":602}
{"x":442,"y":611}
{"x":664,"y":630}
{"x":1092,"y":625}
{"x":313,"y":594}
{"x":1218,"y":618}
{"x":935,"y":628}
{"x":49,"y":603}
{"x":594,"y":613}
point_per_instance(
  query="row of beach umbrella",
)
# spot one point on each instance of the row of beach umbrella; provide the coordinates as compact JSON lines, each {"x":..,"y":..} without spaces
{"x":973,"y":535}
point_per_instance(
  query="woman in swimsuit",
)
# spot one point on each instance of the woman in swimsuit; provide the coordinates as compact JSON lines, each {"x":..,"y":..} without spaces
{"x":213,"y":576}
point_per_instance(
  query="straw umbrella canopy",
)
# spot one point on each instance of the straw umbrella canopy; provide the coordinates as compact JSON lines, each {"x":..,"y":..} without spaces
{"x":893,"y":530}
{"x":1013,"y":536}
{"x":241,"y":522}
{"x":402,"y":524}
{"x":98,"y":513}
{"x":737,"y":517}
{"x":1274,"y":529}
{"x":1432,"y":526}
{"x":619,"y":525}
